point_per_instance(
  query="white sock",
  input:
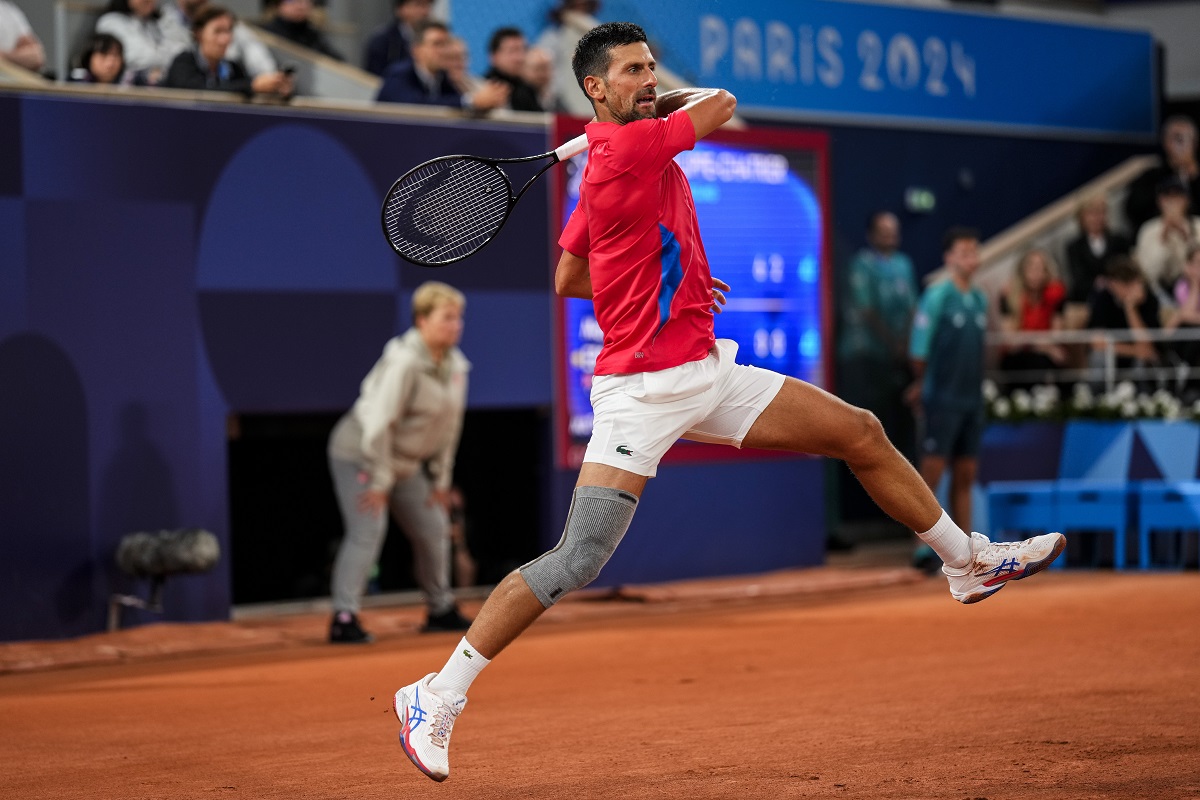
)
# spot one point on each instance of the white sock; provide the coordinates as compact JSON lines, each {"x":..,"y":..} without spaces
{"x":952,"y":545}
{"x":464,"y":666}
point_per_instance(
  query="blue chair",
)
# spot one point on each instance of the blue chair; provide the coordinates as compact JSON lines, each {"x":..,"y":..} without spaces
{"x":1166,"y":506}
{"x":1089,"y":506}
{"x":1017,"y":509}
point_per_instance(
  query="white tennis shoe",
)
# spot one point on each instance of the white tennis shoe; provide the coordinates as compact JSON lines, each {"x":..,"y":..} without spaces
{"x":426,"y":720}
{"x":995,"y":563}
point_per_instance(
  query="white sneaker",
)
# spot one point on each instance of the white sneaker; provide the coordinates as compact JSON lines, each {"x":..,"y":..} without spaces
{"x":995,"y":563}
{"x":426,"y":720}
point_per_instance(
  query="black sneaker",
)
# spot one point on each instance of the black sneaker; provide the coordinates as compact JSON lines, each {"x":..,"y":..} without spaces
{"x":448,"y":621}
{"x":344,"y":629}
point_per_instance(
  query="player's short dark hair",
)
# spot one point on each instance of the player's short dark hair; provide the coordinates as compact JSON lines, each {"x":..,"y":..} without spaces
{"x":500,"y":34}
{"x":874,"y":217}
{"x":425,"y":25}
{"x":206,"y":14}
{"x":103,"y":43}
{"x":1121,"y":267}
{"x":592,"y":54}
{"x":958,"y":233}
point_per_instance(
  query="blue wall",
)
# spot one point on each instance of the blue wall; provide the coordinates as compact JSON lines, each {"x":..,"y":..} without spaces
{"x":166,"y":267}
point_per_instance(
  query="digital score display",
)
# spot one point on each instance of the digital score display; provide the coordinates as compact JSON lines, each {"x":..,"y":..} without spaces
{"x":761,"y":200}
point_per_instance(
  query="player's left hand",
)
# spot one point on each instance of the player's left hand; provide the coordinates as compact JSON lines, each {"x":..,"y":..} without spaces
{"x":718,"y":290}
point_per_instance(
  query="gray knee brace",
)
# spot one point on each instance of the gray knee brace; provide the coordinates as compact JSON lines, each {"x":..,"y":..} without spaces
{"x":598,"y":518}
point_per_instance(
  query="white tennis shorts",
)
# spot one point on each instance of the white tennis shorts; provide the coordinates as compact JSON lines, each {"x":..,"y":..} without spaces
{"x":638,"y":416}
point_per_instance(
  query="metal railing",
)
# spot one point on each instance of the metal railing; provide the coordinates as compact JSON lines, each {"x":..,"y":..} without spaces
{"x":1171,"y":372}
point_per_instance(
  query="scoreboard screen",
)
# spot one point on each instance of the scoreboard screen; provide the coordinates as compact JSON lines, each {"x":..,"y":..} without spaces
{"x":761,"y":200}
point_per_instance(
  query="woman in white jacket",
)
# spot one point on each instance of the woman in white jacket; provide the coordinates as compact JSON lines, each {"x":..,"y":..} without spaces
{"x":151,"y":39}
{"x":394,"y":450}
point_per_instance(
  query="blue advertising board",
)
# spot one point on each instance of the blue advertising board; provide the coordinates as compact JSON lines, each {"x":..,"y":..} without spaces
{"x":881,"y":63}
{"x":876,"y":60}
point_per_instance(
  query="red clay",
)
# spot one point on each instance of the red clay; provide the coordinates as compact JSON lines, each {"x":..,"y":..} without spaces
{"x":1077,"y":685}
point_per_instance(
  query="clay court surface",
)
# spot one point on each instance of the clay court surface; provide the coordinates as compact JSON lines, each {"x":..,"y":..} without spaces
{"x":1070,"y":685}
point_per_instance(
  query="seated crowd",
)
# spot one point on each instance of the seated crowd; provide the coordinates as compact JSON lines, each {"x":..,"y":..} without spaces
{"x":1147,"y":282}
{"x":185,"y":44}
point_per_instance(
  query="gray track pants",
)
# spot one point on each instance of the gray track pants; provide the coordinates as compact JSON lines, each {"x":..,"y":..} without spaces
{"x":427,"y":527}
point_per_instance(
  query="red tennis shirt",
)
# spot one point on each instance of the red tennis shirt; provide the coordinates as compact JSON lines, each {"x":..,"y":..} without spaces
{"x":636,"y":225}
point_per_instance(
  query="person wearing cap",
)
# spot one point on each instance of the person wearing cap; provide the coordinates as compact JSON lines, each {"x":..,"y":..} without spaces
{"x":1162,"y":243}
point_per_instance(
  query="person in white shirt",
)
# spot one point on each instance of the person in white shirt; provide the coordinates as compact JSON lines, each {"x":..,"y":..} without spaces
{"x":18,"y":43}
{"x":149,"y":38}
{"x":1162,"y":243}
{"x":246,"y":48}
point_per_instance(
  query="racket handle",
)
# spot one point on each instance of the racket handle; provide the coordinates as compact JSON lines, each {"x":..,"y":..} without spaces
{"x":572,"y":148}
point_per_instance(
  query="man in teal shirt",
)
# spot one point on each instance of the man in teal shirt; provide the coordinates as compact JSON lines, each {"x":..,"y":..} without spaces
{"x":947,"y":353}
{"x":878,"y":301}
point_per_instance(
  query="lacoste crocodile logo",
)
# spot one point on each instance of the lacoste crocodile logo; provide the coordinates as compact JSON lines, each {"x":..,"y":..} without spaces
{"x":468,"y":653}
{"x":624,"y":450}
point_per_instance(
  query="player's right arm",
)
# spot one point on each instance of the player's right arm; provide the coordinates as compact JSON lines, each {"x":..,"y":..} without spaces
{"x":708,"y":108}
{"x":572,"y":277}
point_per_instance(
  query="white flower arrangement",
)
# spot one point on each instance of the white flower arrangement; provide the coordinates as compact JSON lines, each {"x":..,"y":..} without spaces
{"x":1046,"y":402}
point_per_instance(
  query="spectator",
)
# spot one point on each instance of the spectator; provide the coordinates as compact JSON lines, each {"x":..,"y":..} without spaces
{"x":506,"y":53}
{"x":293,"y":21}
{"x":147,"y":36}
{"x":205,"y":65}
{"x":458,"y":68}
{"x":1125,"y":303}
{"x":395,"y":450}
{"x":18,"y":43}
{"x":1033,"y":301}
{"x":539,"y":73}
{"x":1179,"y":160}
{"x":393,"y":42}
{"x":1087,"y":254}
{"x":246,"y":48}
{"x":1187,"y":317}
{"x":569,"y":20}
{"x":879,"y":299}
{"x":1163,"y":241}
{"x":423,"y":80}
{"x":947,"y":350}
{"x":102,"y":61}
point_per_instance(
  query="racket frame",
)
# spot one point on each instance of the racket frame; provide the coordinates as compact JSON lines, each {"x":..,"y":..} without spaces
{"x":565,"y":151}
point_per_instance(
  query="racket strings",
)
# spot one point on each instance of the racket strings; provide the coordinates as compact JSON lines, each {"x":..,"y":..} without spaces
{"x":446,"y":210}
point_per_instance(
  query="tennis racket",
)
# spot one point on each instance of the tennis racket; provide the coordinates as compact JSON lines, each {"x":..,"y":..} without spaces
{"x":448,"y":208}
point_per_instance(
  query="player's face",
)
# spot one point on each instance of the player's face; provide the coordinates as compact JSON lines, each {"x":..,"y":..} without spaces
{"x":963,"y":257}
{"x":442,"y":327}
{"x":214,"y":38}
{"x":433,"y":51}
{"x":885,"y":236}
{"x":106,"y":66}
{"x":1037,"y":273}
{"x":1094,"y":218}
{"x":630,"y":84}
{"x":509,"y":57}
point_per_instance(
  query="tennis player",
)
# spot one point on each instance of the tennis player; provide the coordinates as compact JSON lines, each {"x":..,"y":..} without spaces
{"x":633,"y":247}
